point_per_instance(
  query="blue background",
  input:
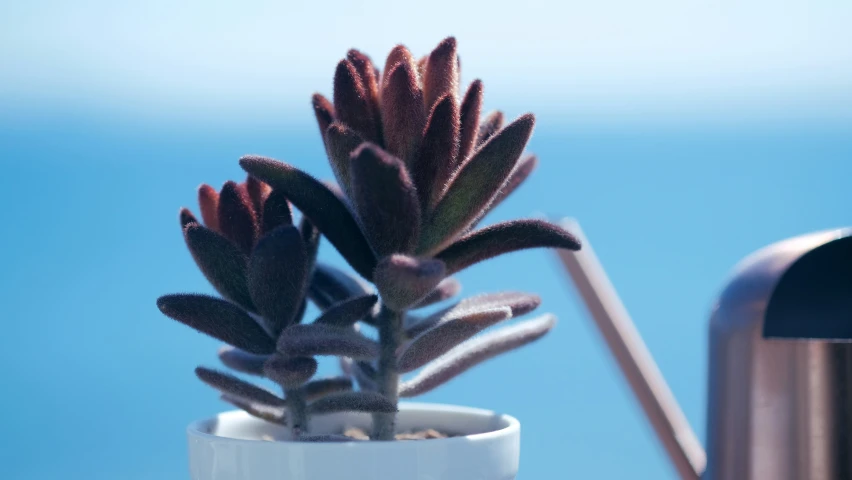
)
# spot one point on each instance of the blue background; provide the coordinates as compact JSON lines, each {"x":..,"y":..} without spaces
{"x":682,"y":139}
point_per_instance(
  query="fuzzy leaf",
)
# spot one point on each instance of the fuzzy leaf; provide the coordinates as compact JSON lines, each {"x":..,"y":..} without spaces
{"x":403,"y":281}
{"x":369,"y":79}
{"x":434,"y":165}
{"x":324,"y":111}
{"x":351,"y":102}
{"x":403,"y":112}
{"x":519,"y":303}
{"x":521,"y":172}
{"x":330,"y":285}
{"x":233,"y":386}
{"x":290,"y":372}
{"x":221,"y":262}
{"x":368,"y":402}
{"x":264,"y":412}
{"x":441,"y":75}
{"x":471,"y":108}
{"x":489,"y":127}
{"x":321,"y":205}
{"x":242,"y":361}
{"x":475,"y":351}
{"x":237,"y":220}
{"x":399,"y":54}
{"x":278,"y":276}
{"x":342,"y":141}
{"x":311,"y":239}
{"x":276,"y":211}
{"x":504,"y":238}
{"x":326,"y":386}
{"x":218,"y":318}
{"x":208,"y":202}
{"x":310,"y":340}
{"x":448,"y":288}
{"x":362,"y":371}
{"x":257,"y":192}
{"x":385,"y":199}
{"x":447,"y":334}
{"x":347,"y":312}
{"x":186,"y":217}
{"x":327,"y":438}
{"x":475,"y":184}
{"x":365,"y":374}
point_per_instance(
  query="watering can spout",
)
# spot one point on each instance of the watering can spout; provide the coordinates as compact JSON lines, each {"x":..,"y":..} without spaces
{"x":780,"y":363}
{"x":633,"y":358}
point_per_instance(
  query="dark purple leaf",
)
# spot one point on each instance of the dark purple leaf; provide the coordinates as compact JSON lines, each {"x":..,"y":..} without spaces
{"x":290,"y":372}
{"x":218,"y":318}
{"x":347,"y":312}
{"x":446,"y":334}
{"x":471,"y":108}
{"x":398,"y":54}
{"x":403,"y":112}
{"x":237,"y":220}
{"x":312,"y":339}
{"x":264,"y":412}
{"x":186,"y":217}
{"x":519,"y":303}
{"x":330,"y":285}
{"x":368,"y":402}
{"x":321,"y":205}
{"x":362,"y":371}
{"x":489,"y":127}
{"x":434,"y":165}
{"x":448,"y":288}
{"x":221,"y":262}
{"x":311,"y":239}
{"x":369,"y":79}
{"x":523,"y":170}
{"x":233,"y":386}
{"x":352,"y":103}
{"x":503,"y":238}
{"x":278,"y":276}
{"x":276,"y":211}
{"x":326,"y":386}
{"x":324,"y":111}
{"x":342,"y":141}
{"x":385,"y":199}
{"x":475,"y":184}
{"x":257,"y":192}
{"x":403,"y":281}
{"x":475,"y":351}
{"x":242,"y":361}
{"x":441,"y":73}
{"x":208,"y":202}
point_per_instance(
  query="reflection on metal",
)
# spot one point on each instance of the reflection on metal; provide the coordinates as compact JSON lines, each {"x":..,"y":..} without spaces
{"x":779,"y":401}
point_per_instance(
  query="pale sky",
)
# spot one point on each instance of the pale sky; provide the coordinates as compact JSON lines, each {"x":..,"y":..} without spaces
{"x":659,"y":57}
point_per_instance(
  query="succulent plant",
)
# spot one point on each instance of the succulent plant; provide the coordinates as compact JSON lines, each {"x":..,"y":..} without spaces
{"x":261,"y":264}
{"x":417,"y":169}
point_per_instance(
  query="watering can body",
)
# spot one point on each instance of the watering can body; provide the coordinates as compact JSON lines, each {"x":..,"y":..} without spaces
{"x":780,"y":367}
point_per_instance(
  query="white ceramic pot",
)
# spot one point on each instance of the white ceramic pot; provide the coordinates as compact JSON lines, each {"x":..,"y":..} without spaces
{"x":230,"y":446}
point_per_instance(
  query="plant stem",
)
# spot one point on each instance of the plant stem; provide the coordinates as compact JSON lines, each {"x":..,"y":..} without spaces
{"x":297,"y":411}
{"x":390,"y":338}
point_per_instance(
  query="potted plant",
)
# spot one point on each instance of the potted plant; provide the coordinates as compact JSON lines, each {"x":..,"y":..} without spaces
{"x":416,"y":171}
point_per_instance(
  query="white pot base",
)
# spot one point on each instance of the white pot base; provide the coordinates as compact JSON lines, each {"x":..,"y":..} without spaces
{"x":230,"y":447}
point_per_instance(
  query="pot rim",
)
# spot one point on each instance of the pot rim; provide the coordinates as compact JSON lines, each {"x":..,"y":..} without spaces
{"x":200,"y":428}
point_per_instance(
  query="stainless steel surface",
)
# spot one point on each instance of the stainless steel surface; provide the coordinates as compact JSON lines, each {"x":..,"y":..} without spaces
{"x":637,"y":365}
{"x":779,"y":409}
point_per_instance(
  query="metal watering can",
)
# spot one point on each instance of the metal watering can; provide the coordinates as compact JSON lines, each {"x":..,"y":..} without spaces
{"x":779,"y":402}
